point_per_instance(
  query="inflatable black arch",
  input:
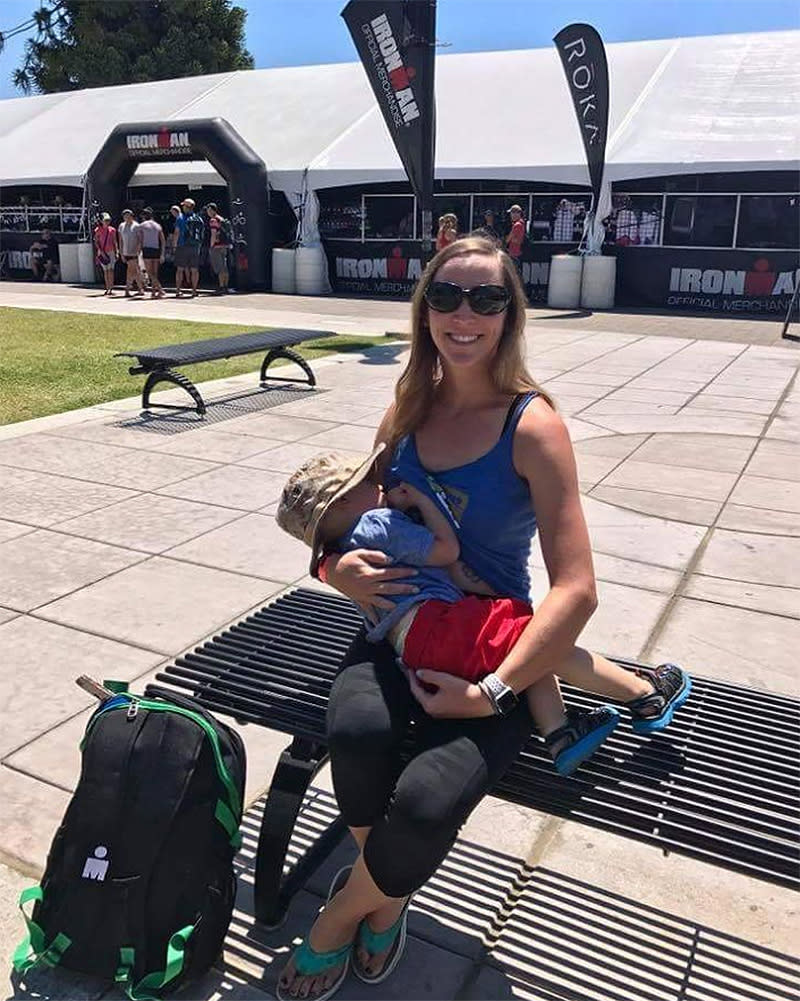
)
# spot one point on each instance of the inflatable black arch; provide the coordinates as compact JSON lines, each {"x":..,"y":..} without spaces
{"x":211,"y":139}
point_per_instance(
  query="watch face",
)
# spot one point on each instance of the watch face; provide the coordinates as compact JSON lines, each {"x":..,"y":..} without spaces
{"x":506,"y":701}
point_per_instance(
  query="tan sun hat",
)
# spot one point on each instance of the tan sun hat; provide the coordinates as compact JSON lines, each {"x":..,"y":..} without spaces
{"x":311,"y":490}
{"x":189,"y":202}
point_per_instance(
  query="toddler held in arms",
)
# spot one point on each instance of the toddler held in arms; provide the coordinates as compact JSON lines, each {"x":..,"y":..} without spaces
{"x":333,"y":505}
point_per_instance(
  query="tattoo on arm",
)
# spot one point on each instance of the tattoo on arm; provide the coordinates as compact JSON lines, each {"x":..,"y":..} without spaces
{"x":469,"y":573}
{"x":466,"y":578}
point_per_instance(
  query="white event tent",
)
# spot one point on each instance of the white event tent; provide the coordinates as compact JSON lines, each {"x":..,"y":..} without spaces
{"x":688,"y":105}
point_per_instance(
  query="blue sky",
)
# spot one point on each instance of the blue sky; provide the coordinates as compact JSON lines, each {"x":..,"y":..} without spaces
{"x":300,"y":32}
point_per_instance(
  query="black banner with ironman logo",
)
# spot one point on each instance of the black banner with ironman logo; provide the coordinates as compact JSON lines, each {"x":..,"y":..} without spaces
{"x":395,"y":42}
{"x":726,"y":282}
{"x":393,"y":267}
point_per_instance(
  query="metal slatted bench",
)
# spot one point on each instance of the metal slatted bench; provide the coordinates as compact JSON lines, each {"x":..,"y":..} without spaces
{"x":722,"y":784}
{"x":158,"y":363}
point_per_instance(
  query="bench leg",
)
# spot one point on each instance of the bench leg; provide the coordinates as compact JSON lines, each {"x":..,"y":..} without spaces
{"x":177,"y":379}
{"x":297,"y":766}
{"x":292,"y":356}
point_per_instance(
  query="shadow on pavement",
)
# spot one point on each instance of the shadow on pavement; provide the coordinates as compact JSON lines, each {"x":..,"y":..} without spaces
{"x":487,"y":925}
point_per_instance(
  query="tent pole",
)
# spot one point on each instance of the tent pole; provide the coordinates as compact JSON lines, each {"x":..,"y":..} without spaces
{"x":427,"y":38}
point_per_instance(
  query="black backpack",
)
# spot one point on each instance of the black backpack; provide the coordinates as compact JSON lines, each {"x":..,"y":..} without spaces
{"x":225,"y":232}
{"x":139,"y":885}
{"x":195,"y":229}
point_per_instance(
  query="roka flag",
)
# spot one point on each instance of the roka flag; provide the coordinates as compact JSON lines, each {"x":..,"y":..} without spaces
{"x":395,"y":40}
{"x":584,"y":60}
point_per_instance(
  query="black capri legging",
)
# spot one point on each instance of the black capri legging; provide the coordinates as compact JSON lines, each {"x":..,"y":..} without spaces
{"x":415,"y":811}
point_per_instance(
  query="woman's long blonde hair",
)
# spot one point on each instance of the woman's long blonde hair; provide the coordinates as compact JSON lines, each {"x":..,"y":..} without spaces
{"x":416,"y":387}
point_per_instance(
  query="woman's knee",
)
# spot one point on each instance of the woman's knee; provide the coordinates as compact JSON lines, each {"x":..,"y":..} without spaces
{"x":438,"y":790}
{"x":407,"y":845}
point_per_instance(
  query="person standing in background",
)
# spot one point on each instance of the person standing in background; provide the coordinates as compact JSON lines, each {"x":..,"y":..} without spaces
{"x":128,"y":241}
{"x":219,"y":245}
{"x":516,"y":236}
{"x":448,"y":230}
{"x":180,"y":251}
{"x":627,"y":224}
{"x":564,"y":221}
{"x":190,"y":228}
{"x":105,"y":242}
{"x":44,"y":257}
{"x":489,"y":227}
{"x":153,"y":244}
{"x":649,"y":222}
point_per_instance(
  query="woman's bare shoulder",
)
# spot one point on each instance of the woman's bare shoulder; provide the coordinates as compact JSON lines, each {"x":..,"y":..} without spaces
{"x":541,"y":435}
{"x":540,"y":421}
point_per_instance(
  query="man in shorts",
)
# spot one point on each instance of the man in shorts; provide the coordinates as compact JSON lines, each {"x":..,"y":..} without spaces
{"x":129,"y":240}
{"x":152,"y":236}
{"x":44,"y":257}
{"x":219,"y":246}
{"x":188,"y":237}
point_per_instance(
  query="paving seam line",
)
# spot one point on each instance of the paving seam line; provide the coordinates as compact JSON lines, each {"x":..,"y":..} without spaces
{"x":669,"y":357}
{"x":661,"y":622}
{"x":527,"y":867}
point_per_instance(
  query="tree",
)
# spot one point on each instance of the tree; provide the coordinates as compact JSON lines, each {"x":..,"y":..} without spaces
{"x":85,"y":43}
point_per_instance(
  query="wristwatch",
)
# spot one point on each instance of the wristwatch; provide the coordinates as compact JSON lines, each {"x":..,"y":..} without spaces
{"x":502,"y":698}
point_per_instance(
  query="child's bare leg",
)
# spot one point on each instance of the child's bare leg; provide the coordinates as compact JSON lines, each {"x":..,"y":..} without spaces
{"x":651,"y":698}
{"x":594,"y":673}
{"x":570,"y":737}
{"x":546,"y":705}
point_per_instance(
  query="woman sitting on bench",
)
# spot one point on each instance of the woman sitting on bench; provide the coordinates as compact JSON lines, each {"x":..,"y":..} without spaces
{"x":470,"y":428}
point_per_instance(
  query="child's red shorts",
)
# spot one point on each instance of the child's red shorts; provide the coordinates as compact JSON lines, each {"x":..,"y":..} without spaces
{"x":469,"y":638}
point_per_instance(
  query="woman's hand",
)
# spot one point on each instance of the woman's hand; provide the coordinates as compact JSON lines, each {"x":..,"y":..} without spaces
{"x":366,"y":575}
{"x":446,"y":696}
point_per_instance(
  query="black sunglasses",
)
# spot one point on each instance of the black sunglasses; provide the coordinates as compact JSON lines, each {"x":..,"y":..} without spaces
{"x":485,"y":300}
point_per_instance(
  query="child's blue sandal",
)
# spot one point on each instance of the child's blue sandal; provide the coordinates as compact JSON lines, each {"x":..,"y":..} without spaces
{"x":310,"y":963}
{"x":672,"y":686}
{"x":582,"y":734}
{"x":394,"y":938}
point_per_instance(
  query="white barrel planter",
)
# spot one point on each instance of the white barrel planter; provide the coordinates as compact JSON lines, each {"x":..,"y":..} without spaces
{"x":86,"y":273}
{"x":598,"y":282}
{"x":311,"y":271}
{"x":68,"y":263}
{"x":283,"y":271}
{"x":564,"y":286}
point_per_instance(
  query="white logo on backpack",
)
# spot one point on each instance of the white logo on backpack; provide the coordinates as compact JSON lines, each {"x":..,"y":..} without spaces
{"x":96,"y":867}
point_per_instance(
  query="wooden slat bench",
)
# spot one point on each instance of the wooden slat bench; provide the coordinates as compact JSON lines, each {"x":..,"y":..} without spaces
{"x":158,"y":363}
{"x":722,"y":784}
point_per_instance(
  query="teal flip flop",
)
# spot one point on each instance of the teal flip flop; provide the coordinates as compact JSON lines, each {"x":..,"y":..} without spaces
{"x":310,"y":963}
{"x":375,"y":942}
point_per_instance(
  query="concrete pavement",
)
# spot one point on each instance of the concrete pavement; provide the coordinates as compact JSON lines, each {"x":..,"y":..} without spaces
{"x":375,"y":316}
{"x":121,"y":548}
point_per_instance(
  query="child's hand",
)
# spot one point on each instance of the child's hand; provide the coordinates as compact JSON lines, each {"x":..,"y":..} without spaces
{"x":402,"y":497}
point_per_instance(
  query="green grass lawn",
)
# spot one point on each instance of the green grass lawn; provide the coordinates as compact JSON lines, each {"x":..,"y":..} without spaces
{"x":52,"y":361}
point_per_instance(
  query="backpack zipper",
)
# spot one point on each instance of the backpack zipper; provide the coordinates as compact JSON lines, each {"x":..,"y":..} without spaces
{"x":134,"y":702}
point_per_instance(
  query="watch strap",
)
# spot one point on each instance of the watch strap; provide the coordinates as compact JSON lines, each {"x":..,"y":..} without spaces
{"x":487,"y":691}
{"x":498,"y":692}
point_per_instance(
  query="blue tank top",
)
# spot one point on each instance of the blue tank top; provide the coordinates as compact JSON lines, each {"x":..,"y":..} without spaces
{"x":489,"y":505}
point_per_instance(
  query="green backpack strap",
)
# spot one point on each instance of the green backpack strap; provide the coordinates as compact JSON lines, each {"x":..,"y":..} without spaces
{"x":149,"y":985}
{"x":32,"y":950}
{"x":226,"y":817}
{"x":127,"y":958}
